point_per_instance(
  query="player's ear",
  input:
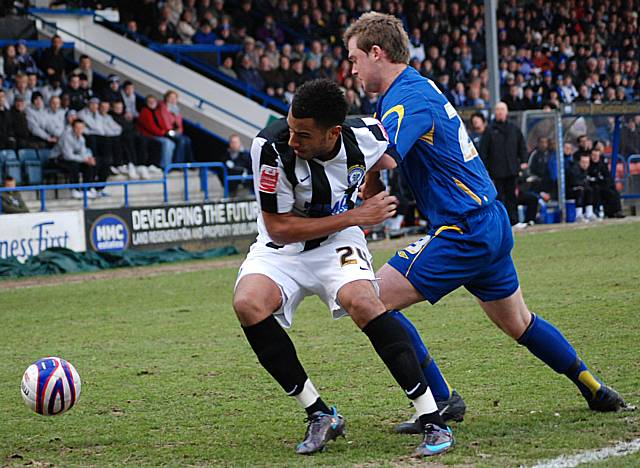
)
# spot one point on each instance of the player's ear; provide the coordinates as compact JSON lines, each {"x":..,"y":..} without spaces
{"x":375,"y":52}
{"x":335,"y":131}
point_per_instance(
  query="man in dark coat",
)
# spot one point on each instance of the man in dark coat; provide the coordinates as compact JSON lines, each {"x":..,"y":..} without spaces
{"x":504,"y":153}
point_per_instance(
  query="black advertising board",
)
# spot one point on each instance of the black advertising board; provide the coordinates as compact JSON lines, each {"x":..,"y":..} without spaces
{"x":113,"y":230}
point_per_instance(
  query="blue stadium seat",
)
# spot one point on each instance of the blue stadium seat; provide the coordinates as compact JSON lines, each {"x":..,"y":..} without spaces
{"x":31,"y":166}
{"x":9,"y":162}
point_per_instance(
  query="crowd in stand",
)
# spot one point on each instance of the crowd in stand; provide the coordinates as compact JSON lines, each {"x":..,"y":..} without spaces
{"x":549,"y":52}
{"x":93,"y":132}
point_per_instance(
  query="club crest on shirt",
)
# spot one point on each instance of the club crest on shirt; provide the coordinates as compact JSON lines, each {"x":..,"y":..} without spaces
{"x":268,"y":179}
{"x":355,"y":174}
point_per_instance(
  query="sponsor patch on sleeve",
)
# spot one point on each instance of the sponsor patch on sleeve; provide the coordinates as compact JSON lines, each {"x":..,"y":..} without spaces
{"x":268,"y":179}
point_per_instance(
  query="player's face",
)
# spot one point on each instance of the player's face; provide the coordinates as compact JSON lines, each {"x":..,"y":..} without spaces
{"x":308,"y":140}
{"x":364,"y":66}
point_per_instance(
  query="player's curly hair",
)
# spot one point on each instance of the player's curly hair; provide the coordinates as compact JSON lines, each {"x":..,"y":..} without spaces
{"x":321,"y":100}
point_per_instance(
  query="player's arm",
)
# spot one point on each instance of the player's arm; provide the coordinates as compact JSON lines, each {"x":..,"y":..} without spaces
{"x":286,"y":228}
{"x":372,"y":181}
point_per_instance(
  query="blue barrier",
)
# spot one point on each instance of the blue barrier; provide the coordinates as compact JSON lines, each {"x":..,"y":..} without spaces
{"x":204,"y":181}
{"x":81,"y":186}
{"x":40,"y":44}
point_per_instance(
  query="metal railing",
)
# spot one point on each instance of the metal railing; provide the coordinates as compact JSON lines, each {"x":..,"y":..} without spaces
{"x":203,"y":167}
{"x":41,"y":189}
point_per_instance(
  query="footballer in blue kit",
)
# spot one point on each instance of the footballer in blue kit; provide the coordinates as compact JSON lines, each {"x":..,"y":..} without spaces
{"x":469,"y":240}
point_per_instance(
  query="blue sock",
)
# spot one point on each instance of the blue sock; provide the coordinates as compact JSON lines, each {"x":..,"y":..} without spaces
{"x":437,"y":383}
{"x":549,"y":345}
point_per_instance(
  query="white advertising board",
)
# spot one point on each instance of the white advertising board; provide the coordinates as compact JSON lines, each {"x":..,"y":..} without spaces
{"x":28,"y":234}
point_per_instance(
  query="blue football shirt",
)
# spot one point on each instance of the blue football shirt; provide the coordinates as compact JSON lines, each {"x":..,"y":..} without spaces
{"x":433,"y":150}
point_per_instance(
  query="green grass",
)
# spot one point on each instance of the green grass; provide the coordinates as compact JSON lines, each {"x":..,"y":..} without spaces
{"x":168,"y":378}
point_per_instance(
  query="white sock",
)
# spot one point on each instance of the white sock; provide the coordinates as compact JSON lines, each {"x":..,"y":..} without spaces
{"x":578,"y":211}
{"x":425,"y":404}
{"x":588,"y":211}
{"x":308,"y":395}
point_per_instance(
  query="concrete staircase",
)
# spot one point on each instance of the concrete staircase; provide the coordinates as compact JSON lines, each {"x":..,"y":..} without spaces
{"x":139,"y":195}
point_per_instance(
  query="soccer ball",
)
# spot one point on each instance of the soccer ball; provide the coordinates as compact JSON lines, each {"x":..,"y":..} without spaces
{"x":50,"y":386}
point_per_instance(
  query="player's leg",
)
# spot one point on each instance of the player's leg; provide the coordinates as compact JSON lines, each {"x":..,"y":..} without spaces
{"x":398,"y":292}
{"x":255,"y":300}
{"x":496,"y":288}
{"x":393,"y":345}
{"x":549,"y":345}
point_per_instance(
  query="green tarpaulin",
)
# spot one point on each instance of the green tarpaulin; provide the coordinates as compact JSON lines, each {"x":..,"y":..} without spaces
{"x":58,"y":260}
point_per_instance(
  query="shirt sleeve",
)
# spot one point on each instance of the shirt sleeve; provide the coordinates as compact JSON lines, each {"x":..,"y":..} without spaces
{"x":373,"y":142}
{"x":406,"y":122}
{"x":275,"y":193}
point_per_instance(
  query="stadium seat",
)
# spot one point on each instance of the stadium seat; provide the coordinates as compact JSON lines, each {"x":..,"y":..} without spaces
{"x":31,"y":166}
{"x":11,"y":165}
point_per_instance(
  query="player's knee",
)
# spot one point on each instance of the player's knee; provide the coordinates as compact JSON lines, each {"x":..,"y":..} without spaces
{"x":251,"y":309}
{"x":363,"y":308}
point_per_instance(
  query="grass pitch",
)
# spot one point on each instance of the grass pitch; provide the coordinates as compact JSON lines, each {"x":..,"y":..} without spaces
{"x":168,"y":378}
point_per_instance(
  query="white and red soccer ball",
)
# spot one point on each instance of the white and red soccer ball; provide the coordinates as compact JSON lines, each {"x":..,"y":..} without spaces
{"x":50,"y":386}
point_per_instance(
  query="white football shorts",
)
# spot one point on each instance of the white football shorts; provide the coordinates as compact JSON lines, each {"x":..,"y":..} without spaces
{"x":322,"y":271}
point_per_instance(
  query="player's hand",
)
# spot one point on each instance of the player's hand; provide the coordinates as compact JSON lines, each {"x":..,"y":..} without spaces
{"x":376,"y":209}
{"x":372,"y":185}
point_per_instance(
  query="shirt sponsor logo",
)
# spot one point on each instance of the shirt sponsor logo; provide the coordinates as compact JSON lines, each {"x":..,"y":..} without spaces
{"x":268,"y":179}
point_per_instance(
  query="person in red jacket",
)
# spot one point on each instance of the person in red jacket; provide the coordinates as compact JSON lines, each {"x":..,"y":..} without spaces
{"x":170,"y":112}
{"x":151,"y":124}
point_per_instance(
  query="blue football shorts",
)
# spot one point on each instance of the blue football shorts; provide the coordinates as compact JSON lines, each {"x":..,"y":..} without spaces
{"x":474,"y":253}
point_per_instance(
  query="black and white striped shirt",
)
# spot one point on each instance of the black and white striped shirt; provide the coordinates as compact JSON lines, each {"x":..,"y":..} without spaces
{"x":285,"y":183}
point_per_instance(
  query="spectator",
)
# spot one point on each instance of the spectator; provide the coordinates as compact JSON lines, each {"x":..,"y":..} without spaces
{"x":84,"y":86}
{"x":5,"y":123}
{"x":238,"y":162}
{"x":55,"y":117}
{"x":20,"y":88}
{"x":25,"y":61}
{"x":102,"y":146}
{"x":478,"y":127}
{"x":38,"y":122}
{"x":85,"y":66}
{"x":52,"y":61}
{"x":136,"y":149}
{"x":269,"y":76}
{"x":112,"y":92}
{"x":51,"y":89}
{"x":249,"y":75}
{"x":73,"y":155}
{"x":539,"y":166}
{"x":12,"y":202}
{"x":185,"y":27}
{"x":170,"y":113}
{"x":270,"y":31}
{"x":77,"y":96}
{"x":579,"y":188}
{"x":205,"y":34}
{"x":20,"y":126}
{"x":504,"y":153}
{"x":151,"y":124}
{"x":630,"y":137}
{"x":353,"y":102}
{"x":128,"y":94}
{"x":227,"y":68}
{"x":10,"y":66}
{"x":272,"y":53}
{"x":112,"y":131}
{"x":527,"y":197}
{"x":603,"y":187}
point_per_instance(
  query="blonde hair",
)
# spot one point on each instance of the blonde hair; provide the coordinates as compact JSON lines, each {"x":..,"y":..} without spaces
{"x":385,"y":31}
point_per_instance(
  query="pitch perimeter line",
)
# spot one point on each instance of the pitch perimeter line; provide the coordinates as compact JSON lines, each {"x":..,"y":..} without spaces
{"x":621,"y":449}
